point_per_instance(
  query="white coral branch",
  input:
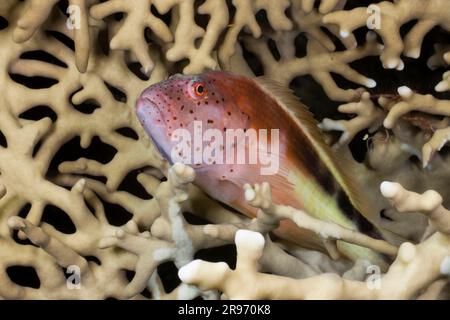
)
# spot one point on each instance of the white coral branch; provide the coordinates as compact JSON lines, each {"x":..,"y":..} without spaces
{"x":390,"y":24}
{"x":260,"y":197}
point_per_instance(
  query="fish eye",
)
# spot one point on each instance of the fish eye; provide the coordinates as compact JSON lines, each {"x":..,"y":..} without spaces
{"x":199,"y":89}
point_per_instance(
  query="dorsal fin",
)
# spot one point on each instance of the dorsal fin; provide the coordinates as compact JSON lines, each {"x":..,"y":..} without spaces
{"x":306,"y":122}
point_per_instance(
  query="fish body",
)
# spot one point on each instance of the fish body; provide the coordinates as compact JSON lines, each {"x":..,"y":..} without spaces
{"x":294,"y":159}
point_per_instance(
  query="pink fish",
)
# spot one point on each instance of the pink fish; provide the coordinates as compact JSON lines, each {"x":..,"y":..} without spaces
{"x":291,"y":153}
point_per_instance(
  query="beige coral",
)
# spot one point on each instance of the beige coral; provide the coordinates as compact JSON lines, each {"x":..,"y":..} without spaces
{"x":38,"y":11}
{"x":396,"y":109}
{"x":130,"y":34}
{"x":24,"y":166}
{"x":368,"y":116}
{"x":186,"y":36}
{"x":444,"y":85}
{"x":325,"y":6}
{"x":319,"y":63}
{"x":170,"y":237}
{"x":310,"y":21}
{"x":245,"y":18}
{"x":411,"y":101}
{"x":81,"y":94}
{"x":260,"y":197}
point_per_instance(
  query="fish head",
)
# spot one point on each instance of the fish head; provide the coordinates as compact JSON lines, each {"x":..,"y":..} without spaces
{"x":187,"y":102}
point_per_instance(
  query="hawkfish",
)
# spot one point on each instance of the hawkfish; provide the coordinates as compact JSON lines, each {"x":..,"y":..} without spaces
{"x":188,"y":117}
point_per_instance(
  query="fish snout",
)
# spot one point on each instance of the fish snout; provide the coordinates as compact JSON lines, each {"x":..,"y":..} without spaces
{"x":140,"y":103}
{"x":148,"y":111}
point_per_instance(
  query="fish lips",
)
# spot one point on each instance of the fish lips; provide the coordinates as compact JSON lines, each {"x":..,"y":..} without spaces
{"x":148,"y":114}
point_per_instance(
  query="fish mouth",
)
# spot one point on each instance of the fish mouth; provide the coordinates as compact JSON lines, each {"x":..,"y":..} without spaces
{"x":148,"y":109}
